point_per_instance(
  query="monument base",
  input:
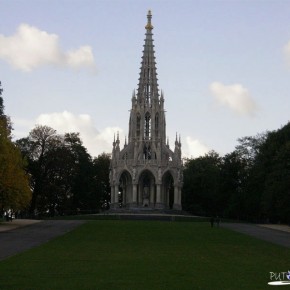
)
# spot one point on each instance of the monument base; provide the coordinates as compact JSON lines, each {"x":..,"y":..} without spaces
{"x":176,"y":207}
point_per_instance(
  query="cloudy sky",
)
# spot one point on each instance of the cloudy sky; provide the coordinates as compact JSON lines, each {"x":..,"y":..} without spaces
{"x":224,"y":67}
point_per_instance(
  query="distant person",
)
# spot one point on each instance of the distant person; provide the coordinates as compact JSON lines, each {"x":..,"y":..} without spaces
{"x":218,"y":221}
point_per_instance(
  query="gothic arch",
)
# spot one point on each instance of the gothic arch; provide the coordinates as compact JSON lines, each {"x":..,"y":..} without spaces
{"x":146,"y":188}
{"x":145,"y":170}
{"x":172,"y":173}
{"x":125,"y":188}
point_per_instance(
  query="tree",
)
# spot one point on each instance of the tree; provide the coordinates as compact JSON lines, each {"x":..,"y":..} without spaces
{"x":201,"y":184}
{"x":232,"y":187}
{"x":15,"y":193}
{"x":249,"y":147}
{"x":240,"y":182}
{"x":62,"y":173}
{"x":101,"y":167}
{"x":83,"y":184}
{"x":1,"y":102}
{"x":41,"y":140}
{"x":273,"y":168}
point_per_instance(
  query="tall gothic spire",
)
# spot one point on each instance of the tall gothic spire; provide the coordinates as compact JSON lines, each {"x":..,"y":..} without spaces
{"x":148,"y":87}
{"x":146,"y":172}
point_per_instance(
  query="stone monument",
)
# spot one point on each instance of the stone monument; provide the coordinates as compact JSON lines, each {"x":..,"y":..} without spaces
{"x":146,"y":173}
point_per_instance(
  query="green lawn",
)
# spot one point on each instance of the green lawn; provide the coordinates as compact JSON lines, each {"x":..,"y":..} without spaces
{"x":146,"y":255}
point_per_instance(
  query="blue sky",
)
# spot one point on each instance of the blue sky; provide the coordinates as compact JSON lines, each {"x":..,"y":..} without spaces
{"x":224,"y":67}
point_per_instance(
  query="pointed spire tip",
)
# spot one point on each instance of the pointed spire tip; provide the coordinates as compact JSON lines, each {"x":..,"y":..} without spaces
{"x":149,"y":26}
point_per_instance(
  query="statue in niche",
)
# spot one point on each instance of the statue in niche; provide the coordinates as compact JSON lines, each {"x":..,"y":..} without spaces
{"x":145,"y":196}
{"x":159,"y":173}
{"x":134,"y":174}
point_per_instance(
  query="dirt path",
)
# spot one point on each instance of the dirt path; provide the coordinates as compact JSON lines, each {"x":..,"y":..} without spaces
{"x":271,"y":235}
{"x":23,"y":238}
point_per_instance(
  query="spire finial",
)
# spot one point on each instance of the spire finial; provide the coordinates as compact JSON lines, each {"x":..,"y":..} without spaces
{"x":176,"y":140}
{"x":118,"y":140}
{"x":114,"y":143}
{"x":149,"y":26}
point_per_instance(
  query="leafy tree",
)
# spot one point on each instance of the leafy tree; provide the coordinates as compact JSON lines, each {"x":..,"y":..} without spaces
{"x":82,"y":179}
{"x":62,"y":173}
{"x":101,"y":169}
{"x":249,"y":147}
{"x":1,"y":102}
{"x":15,"y":192}
{"x":273,"y":167}
{"x":201,"y":184}
{"x":41,"y":140}
{"x":233,"y":183}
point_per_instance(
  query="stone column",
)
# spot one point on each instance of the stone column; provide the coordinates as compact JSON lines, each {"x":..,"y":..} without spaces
{"x":139,"y":199}
{"x":152,"y":193}
{"x":117,"y":196}
{"x":179,"y":197}
{"x":112,"y":197}
{"x":124,"y":196}
{"x":177,"y":201}
{"x":134,"y":195}
{"x":159,"y":204}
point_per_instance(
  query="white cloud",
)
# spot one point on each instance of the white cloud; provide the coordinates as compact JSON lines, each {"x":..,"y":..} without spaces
{"x":287,"y":52}
{"x":30,"y":48}
{"x":235,"y":97}
{"x":194,"y":148}
{"x":94,"y":140}
{"x":21,"y":127}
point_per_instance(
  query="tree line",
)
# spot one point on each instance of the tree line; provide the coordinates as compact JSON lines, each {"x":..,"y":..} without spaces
{"x":65,"y":179}
{"x":47,"y":174}
{"x":251,"y":183}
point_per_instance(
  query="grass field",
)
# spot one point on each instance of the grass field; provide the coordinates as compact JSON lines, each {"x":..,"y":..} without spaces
{"x":146,"y":255}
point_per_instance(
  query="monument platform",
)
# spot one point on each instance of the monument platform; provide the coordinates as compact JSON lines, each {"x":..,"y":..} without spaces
{"x":150,"y":214}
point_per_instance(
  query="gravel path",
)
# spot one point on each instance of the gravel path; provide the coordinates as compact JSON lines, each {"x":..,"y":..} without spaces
{"x":277,"y":237}
{"x":24,"y":238}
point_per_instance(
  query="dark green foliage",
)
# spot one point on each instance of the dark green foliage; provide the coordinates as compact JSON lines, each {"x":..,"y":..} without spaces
{"x":101,"y":168}
{"x":233,"y":182}
{"x":1,"y":102}
{"x":64,"y":180}
{"x":201,"y":184}
{"x":15,"y":192}
{"x":84,"y":197}
{"x":273,"y":169}
{"x":251,"y":183}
